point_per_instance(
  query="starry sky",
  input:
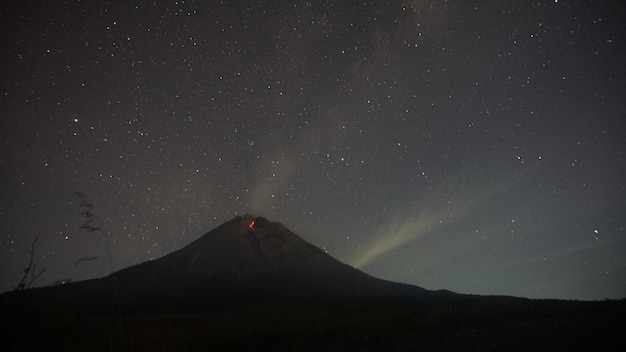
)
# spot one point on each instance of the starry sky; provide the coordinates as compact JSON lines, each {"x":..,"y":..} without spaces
{"x":474,"y":146}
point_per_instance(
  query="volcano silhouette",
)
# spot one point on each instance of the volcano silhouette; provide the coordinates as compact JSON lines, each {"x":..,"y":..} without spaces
{"x":245,"y":261}
{"x":253,"y":285}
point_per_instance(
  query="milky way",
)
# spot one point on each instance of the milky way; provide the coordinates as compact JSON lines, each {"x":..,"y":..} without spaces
{"x":471,"y":146}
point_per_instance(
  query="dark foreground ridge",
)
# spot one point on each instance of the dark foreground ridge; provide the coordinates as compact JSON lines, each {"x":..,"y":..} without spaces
{"x":252,"y":284}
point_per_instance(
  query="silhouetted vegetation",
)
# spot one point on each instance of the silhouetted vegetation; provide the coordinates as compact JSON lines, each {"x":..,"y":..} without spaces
{"x":85,"y":259}
{"x":30,"y":273}
{"x":92,"y":223}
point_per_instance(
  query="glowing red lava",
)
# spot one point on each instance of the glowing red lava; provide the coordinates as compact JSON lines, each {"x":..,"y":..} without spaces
{"x":251,"y":225}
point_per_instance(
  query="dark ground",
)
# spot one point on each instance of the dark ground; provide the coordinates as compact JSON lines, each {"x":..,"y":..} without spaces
{"x":498,"y":324}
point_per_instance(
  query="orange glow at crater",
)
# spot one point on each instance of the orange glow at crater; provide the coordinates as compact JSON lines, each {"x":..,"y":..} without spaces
{"x":251,"y":225}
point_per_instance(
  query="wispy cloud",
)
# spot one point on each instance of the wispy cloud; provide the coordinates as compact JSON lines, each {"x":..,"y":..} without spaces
{"x":439,"y":208}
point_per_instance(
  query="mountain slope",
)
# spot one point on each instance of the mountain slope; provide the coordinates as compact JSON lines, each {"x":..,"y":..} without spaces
{"x":248,"y":286}
{"x":237,"y":263}
{"x":245,"y":261}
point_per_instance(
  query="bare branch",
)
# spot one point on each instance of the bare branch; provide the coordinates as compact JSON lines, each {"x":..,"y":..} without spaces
{"x":86,"y":259}
{"x":30,"y":268}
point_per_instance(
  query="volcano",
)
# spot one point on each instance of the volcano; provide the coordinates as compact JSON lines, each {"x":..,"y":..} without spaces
{"x":254,"y":285}
{"x":249,"y":260}
{"x":245,"y":261}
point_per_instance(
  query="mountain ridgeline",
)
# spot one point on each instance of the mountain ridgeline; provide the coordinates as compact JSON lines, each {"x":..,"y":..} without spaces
{"x":245,"y":261}
{"x":249,"y":260}
{"x":253,"y":285}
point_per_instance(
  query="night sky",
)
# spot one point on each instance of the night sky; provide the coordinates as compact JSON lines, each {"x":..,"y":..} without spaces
{"x":474,"y":146}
